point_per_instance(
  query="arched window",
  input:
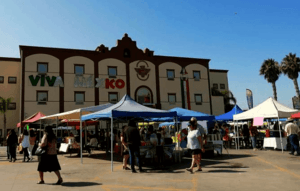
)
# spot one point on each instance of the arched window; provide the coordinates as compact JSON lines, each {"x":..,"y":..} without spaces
{"x":143,"y":96}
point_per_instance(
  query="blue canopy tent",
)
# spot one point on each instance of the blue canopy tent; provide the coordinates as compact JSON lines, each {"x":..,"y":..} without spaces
{"x":126,"y":108}
{"x":229,"y":115}
{"x":185,"y":115}
{"x":167,"y":124}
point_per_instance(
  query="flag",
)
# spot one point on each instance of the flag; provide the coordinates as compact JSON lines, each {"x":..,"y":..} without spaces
{"x":249,"y":98}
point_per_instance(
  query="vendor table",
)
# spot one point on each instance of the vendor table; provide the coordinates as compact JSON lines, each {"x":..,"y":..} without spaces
{"x":218,"y":146}
{"x":275,"y":143}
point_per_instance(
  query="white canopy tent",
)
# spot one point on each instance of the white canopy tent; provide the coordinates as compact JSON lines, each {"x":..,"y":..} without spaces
{"x":76,"y":115}
{"x":268,"y":109}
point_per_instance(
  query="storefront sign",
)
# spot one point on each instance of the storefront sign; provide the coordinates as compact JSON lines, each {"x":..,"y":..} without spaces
{"x":79,"y":82}
{"x":51,"y":81}
{"x":112,"y":84}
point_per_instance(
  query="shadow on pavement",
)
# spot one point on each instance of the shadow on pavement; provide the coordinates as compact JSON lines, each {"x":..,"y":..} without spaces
{"x":224,"y":171}
{"x":80,"y":184}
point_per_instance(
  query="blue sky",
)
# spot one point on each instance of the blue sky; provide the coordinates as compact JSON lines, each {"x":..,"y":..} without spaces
{"x":201,"y":29}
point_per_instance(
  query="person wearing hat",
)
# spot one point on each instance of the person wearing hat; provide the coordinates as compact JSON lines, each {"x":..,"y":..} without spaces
{"x":195,"y":143}
{"x":292,"y":131}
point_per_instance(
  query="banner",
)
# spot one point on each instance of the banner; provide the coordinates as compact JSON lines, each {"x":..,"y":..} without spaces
{"x":296,"y":103}
{"x":249,"y":98}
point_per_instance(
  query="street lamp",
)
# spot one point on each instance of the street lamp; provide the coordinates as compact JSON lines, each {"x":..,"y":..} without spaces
{"x":183,"y":78}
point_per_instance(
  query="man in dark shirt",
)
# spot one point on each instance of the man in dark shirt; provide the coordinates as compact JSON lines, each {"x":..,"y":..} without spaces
{"x":134,"y":142}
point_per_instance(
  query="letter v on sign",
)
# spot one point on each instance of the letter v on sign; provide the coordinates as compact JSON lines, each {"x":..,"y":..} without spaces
{"x":34,"y":81}
{"x":50,"y":81}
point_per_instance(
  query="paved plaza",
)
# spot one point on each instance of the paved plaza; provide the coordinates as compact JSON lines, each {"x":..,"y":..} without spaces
{"x":240,"y":170}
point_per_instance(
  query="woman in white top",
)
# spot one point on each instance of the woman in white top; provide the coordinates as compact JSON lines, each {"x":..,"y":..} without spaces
{"x":195,"y":143}
{"x":25,"y":144}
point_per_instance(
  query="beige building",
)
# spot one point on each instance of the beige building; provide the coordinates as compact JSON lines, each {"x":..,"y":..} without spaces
{"x":53,"y":80}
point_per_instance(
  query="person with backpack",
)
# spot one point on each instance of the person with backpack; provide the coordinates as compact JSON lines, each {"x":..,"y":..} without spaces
{"x":25,"y":144}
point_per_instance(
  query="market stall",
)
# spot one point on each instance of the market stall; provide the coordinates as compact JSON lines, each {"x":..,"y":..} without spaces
{"x":124,"y":110}
{"x":268,"y":109}
{"x":34,"y":118}
{"x":75,"y":116}
{"x":185,"y":115}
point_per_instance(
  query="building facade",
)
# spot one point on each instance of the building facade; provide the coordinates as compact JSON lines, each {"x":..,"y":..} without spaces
{"x":53,"y":80}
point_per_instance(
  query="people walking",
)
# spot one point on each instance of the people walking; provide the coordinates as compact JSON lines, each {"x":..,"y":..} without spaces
{"x":292,"y":131}
{"x":246,"y":135}
{"x":253,"y":134}
{"x":134,"y":142}
{"x":32,"y":139}
{"x":125,"y":149}
{"x":160,"y":148}
{"x":12,"y":142}
{"x":195,"y":143}
{"x":25,"y":144}
{"x":49,"y":162}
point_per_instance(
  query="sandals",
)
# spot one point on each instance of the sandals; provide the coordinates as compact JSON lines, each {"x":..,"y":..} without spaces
{"x":190,"y":170}
{"x":41,"y":182}
{"x":126,"y":168}
{"x":199,"y":170}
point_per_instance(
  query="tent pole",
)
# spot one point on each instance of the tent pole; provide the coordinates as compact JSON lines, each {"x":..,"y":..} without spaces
{"x":238,"y":137}
{"x":68,"y":128}
{"x":80,"y":137}
{"x":56,"y":126}
{"x":40,"y":130}
{"x":235,"y":136}
{"x":85,"y":132}
{"x":111,"y":147}
{"x":280,"y":135}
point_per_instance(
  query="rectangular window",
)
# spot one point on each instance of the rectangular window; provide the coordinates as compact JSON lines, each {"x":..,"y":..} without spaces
{"x":79,"y":69}
{"x":172,"y":98}
{"x":42,"y":97}
{"x":1,"y":79}
{"x":112,"y":97}
{"x":79,"y":97}
{"x":12,"y":80}
{"x":12,"y":106}
{"x":170,"y":74}
{"x":112,"y":72}
{"x":196,"y":75}
{"x":42,"y":67}
{"x":198,"y":99}
{"x":222,"y":86}
{"x":215,"y":86}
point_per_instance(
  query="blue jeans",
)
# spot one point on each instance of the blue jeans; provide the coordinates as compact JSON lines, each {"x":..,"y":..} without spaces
{"x":134,"y":151}
{"x":253,"y":142}
{"x":294,"y":143}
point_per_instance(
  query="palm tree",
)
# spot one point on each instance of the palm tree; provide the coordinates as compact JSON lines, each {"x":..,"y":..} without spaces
{"x":290,"y":66}
{"x":270,"y":69}
{"x":229,"y":99}
{"x":4,"y":103}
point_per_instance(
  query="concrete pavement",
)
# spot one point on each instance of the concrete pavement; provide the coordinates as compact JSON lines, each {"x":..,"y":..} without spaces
{"x":241,"y":170}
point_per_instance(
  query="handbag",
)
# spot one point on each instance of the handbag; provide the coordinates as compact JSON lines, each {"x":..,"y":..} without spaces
{"x":40,"y":151}
{"x":20,"y":148}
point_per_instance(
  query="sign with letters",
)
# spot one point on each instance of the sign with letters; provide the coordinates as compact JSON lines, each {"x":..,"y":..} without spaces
{"x":79,"y":82}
